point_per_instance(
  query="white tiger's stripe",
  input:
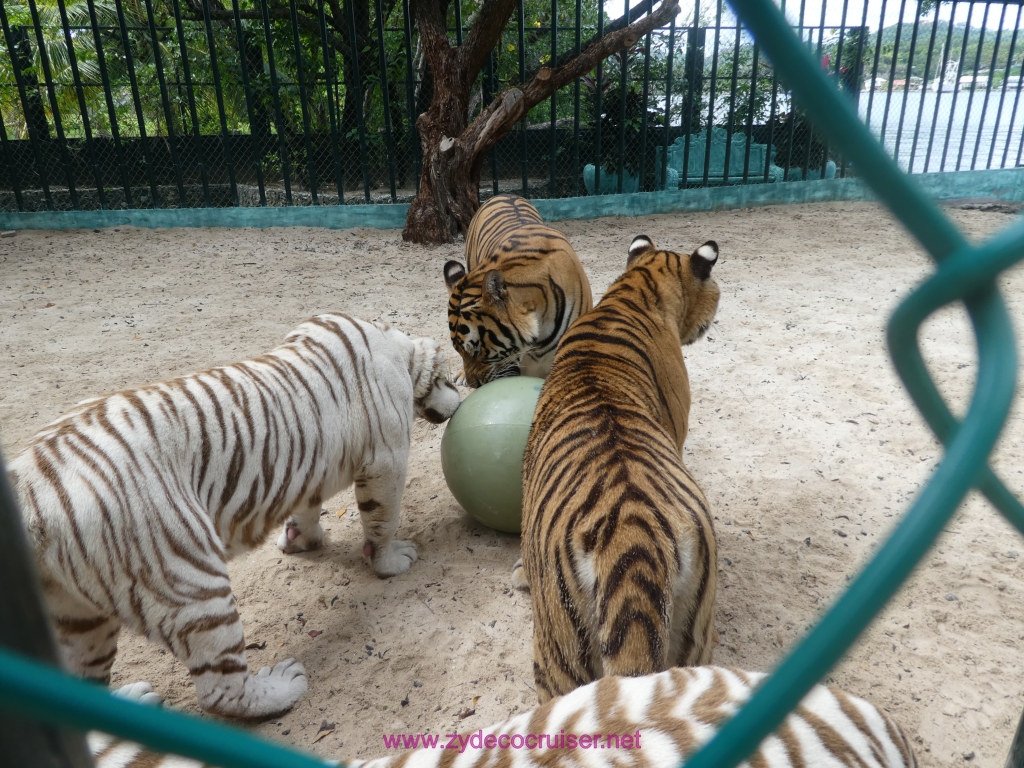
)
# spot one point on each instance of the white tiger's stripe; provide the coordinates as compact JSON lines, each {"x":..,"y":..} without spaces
{"x":134,"y":501}
{"x":114,"y":753}
{"x":676,"y":712}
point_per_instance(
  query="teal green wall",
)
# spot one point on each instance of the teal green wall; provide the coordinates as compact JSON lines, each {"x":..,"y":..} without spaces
{"x":328,"y":216}
{"x":1005,"y":184}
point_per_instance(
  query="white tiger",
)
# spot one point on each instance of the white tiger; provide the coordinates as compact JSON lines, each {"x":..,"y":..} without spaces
{"x":654,"y":721}
{"x":134,"y":501}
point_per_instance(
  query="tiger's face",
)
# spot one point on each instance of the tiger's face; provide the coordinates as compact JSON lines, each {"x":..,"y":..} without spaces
{"x":492,"y":324}
{"x":434,"y":397}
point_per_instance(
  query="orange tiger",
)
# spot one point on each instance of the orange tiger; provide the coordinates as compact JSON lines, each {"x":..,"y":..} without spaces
{"x":618,"y":547}
{"x":521,"y":288}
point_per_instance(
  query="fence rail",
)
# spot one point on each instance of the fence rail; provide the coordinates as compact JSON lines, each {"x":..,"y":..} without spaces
{"x":194,"y":104}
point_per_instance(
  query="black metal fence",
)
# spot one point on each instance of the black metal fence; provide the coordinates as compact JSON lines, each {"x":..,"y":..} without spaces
{"x":188,"y":103}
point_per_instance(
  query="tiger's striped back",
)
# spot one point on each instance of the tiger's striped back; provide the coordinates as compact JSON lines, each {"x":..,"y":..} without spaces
{"x":134,"y":501}
{"x":618,"y":547}
{"x":655,"y":721}
{"x":520,"y":289}
{"x":498,"y":223}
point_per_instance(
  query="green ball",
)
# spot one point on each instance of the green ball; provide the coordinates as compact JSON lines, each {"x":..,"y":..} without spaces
{"x":482,"y":450}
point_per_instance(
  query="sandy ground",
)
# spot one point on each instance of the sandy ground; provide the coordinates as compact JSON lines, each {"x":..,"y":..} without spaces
{"x":801,"y":435}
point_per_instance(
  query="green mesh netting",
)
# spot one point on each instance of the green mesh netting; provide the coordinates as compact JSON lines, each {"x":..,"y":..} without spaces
{"x":964,"y":273}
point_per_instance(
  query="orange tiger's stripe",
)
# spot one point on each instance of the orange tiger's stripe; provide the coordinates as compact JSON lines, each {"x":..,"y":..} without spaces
{"x":521,"y":288}
{"x":618,"y":545}
{"x":494,"y":223}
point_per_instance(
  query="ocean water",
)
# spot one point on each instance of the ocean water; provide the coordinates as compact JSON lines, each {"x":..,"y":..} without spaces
{"x":928,"y":131}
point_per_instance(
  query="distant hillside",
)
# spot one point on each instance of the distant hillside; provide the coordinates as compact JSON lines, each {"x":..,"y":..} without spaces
{"x":975,"y":49}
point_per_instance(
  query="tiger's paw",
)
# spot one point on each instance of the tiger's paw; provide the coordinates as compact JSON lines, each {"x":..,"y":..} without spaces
{"x":285,"y":683}
{"x":519,"y":580}
{"x":267,"y":693}
{"x":391,"y":560}
{"x":141,"y":693}
{"x":293,"y":539}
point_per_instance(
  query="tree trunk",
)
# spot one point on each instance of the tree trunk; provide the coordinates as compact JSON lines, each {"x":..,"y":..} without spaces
{"x":449,"y":180}
{"x":450,"y":176}
{"x":352,"y":22}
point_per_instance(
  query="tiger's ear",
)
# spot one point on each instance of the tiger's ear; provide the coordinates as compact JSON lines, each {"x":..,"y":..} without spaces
{"x":703,"y":259}
{"x":495,"y":287}
{"x":640,"y":244}
{"x":453,"y":272}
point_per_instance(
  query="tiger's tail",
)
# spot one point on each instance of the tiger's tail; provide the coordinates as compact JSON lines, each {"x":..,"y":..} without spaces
{"x":635,"y":604}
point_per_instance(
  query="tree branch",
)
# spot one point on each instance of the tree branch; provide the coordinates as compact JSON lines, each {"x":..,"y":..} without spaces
{"x":484,"y":35}
{"x":613,"y":26}
{"x":510,"y":106}
{"x":597,"y":51}
{"x":431,"y":22}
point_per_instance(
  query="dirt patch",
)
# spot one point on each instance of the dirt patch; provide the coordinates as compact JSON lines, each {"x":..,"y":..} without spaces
{"x":801,"y":435}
